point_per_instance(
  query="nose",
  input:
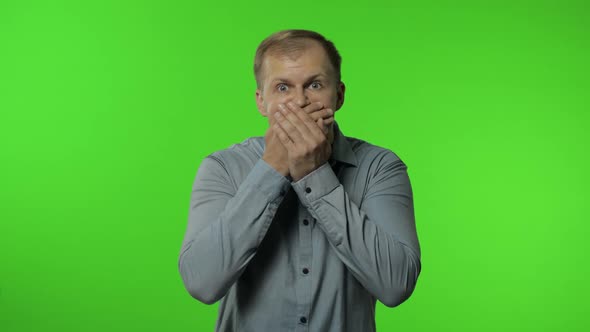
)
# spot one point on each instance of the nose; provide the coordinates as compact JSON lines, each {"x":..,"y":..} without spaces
{"x":301,"y":98}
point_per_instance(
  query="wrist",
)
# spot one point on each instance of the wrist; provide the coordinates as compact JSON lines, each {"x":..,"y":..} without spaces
{"x":277,"y":166}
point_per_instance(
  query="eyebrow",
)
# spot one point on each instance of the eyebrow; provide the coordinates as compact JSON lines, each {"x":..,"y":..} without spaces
{"x":307,"y":80}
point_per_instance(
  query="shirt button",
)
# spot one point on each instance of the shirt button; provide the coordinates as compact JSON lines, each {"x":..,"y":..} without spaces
{"x":308,"y":190}
{"x":305,"y":222}
{"x":305,"y":270}
{"x":303,"y":319}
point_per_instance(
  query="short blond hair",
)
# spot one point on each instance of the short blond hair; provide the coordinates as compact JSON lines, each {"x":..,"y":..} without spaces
{"x":294,"y":41}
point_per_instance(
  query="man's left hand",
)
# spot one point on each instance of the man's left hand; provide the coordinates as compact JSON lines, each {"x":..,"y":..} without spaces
{"x":306,"y":140}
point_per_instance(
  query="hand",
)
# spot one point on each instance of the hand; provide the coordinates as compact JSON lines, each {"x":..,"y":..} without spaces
{"x":306,"y":140}
{"x":275,"y":153}
{"x":324,"y":113}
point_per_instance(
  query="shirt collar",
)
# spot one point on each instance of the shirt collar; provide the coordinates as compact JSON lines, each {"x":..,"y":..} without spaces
{"x":341,"y":149}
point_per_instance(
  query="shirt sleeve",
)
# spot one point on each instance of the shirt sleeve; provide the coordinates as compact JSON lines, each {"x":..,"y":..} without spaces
{"x":225,"y":225}
{"x":378,"y":242}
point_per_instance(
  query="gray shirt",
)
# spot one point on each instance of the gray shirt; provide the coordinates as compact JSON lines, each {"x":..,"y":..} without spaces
{"x":310,"y":255}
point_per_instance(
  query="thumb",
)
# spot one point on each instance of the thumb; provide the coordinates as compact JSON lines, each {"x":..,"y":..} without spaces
{"x":322,"y":127}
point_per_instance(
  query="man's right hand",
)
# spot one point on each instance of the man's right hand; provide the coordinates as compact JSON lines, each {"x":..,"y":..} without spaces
{"x":275,"y":153}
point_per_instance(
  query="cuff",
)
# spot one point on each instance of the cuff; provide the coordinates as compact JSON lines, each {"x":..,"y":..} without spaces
{"x":268,"y":180}
{"x":316,"y":184}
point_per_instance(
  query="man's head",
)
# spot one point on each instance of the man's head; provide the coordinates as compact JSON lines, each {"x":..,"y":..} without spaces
{"x":299,"y":66}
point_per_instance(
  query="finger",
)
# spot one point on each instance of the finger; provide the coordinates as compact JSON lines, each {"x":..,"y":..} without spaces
{"x":272,"y":117}
{"x":291,"y":113}
{"x":300,"y":119}
{"x":313,"y":107}
{"x":282,"y":135}
{"x":309,"y":128}
{"x":288,"y":126}
{"x":323,"y":113}
{"x":322,"y":125}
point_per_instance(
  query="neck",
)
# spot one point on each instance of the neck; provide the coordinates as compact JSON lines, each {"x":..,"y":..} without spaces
{"x":331,"y":137}
{"x":331,"y":134}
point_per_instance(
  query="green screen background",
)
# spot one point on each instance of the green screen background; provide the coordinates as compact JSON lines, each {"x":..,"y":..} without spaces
{"x":108,"y":107}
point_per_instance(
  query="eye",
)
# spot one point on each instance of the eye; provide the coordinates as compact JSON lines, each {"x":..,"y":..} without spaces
{"x":282,"y":87}
{"x":315,"y":85}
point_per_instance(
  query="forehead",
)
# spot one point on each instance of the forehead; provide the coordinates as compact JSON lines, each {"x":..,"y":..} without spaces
{"x":312,"y":57}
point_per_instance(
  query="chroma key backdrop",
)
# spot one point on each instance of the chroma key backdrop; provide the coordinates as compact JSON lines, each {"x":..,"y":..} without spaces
{"x":108,"y":107}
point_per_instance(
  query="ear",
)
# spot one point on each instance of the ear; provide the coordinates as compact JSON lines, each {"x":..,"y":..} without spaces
{"x":260,"y":103}
{"x":340,"y":95}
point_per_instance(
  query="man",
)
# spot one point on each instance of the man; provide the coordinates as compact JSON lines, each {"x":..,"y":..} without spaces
{"x":304,"y":229}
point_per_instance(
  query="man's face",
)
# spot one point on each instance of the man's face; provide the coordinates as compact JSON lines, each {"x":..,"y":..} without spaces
{"x":307,"y":78}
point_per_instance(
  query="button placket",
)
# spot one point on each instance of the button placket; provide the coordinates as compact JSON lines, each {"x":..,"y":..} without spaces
{"x":305,"y":260}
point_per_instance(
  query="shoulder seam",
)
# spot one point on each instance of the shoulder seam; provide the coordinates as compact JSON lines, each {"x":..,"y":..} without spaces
{"x":211,"y":156}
